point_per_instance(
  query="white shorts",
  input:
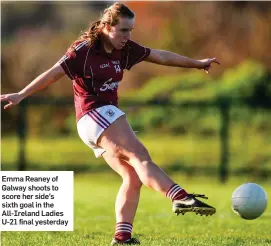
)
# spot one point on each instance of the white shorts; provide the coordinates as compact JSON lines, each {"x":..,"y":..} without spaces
{"x":92,"y":125}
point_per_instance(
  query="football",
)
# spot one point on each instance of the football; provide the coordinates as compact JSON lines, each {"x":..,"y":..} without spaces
{"x":249,"y":201}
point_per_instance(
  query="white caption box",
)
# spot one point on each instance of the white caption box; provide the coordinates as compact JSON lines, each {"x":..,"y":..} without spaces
{"x":36,"y":200}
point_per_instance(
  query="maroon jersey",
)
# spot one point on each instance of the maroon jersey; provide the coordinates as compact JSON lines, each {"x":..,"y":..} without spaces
{"x":96,"y":74}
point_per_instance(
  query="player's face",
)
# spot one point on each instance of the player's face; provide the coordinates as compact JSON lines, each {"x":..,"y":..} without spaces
{"x":121,"y":33}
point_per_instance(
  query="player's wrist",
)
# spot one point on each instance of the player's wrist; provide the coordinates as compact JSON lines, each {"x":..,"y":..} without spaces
{"x":199,"y":64}
{"x":22,"y":94}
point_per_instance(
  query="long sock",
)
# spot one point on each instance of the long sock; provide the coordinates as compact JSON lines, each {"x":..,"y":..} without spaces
{"x":175,"y":192}
{"x":123,"y":231}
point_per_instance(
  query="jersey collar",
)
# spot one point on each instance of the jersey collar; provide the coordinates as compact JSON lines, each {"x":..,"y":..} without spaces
{"x":100,"y":50}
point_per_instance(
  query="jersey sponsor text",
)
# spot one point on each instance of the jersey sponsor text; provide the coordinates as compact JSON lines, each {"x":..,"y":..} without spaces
{"x":109,"y":86}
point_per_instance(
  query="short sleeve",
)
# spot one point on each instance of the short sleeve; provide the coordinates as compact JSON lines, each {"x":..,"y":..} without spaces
{"x":73,"y":61}
{"x":133,"y":53}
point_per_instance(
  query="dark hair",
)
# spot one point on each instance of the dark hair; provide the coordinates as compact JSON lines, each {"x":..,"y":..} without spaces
{"x":110,"y":17}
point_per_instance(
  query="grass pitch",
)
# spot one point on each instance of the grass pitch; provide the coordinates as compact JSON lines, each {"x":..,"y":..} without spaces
{"x":155,"y":224}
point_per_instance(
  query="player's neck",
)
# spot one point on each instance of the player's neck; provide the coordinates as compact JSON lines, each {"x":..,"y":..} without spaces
{"x":106,"y":44}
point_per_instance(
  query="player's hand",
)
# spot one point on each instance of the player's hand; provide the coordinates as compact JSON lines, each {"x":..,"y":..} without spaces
{"x":206,"y":64}
{"x":12,"y":99}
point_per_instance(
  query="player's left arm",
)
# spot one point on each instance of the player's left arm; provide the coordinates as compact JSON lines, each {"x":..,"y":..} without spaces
{"x":168,"y":58}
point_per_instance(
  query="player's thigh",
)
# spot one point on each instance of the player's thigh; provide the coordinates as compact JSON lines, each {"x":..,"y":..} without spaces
{"x":120,"y":140}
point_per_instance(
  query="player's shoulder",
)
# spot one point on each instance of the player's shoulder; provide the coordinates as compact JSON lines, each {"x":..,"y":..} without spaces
{"x":78,"y":48}
{"x":81,"y":46}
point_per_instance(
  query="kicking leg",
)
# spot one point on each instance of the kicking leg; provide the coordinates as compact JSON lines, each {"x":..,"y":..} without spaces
{"x":120,"y":141}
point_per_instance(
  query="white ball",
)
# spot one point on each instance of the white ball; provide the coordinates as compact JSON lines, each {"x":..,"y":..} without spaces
{"x":249,"y":201}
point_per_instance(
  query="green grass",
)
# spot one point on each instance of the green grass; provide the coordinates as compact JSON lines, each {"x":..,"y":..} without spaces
{"x":190,"y":154}
{"x":155,"y":224}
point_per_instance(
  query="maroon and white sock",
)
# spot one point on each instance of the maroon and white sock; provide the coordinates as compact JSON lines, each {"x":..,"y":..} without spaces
{"x":123,"y":231}
{"x":175,"y":192}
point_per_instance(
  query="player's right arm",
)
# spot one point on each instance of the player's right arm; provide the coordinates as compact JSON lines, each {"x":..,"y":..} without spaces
{"x":42,"y":81}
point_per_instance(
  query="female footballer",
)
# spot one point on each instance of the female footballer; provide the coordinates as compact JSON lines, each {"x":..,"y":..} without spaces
{"x":95,"y":63}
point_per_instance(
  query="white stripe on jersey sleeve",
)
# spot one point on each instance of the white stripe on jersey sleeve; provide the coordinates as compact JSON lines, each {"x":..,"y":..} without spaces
{"x":64,"y":58}
{"x":81,"y":45}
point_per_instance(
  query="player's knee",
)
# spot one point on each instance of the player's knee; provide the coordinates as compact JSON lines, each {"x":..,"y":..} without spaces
{"x":133,"y":183}
{"x":132,"y":180}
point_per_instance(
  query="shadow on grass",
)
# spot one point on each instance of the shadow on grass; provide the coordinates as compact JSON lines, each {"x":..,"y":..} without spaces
{"x":175,"y":168}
